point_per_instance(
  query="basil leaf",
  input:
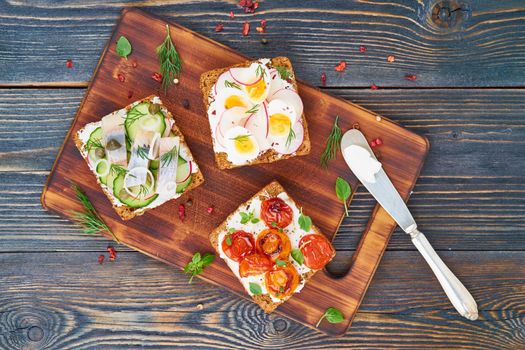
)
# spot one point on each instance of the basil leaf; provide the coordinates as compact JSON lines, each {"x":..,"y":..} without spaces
{"x":343,"y":191}
{"x":332,"y":315}
{"x":255,"y":220}
{"x":196,"y":258}
{"x":274,"y":224}
{"x":280,"y":262}
{"x":298,"y":256}
{"x":207,"y":259}
{"x":231,"y":230}
{"x":305,"y":222}
{"x":244,"y":218}
{"x":229,"y":240}
{"x":255,"y":289}
{"x":123,"y":47}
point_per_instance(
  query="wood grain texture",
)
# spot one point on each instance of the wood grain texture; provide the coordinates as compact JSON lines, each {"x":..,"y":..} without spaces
{"x":480,"y":44}
{"x":85,"y":305}
{"x":174,"y":242}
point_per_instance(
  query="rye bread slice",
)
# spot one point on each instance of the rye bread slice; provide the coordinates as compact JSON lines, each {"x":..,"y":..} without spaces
{"x":208,"y":79}
{"x":125,"y":212}
{"x":270,"y":190}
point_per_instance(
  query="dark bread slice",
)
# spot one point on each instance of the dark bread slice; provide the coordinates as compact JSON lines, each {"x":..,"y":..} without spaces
{"x":270,"y":190}
{"x":125,"y":212}
{"x":208,"y":79}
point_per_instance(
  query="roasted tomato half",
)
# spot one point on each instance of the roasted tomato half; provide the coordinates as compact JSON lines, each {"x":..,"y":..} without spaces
{"x":275,"y":212}
{"x":282,"y":281}
{"x":273,"y":243}
{"x":254,"y":265}
{"x":238,"y":245}
{"x":317,"y":251}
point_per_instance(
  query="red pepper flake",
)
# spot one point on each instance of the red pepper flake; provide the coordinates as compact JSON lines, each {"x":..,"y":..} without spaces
{"x":323,"y":78}
{"x":134,"y":64}
{"x":130,"y":94}
{"x":69,"y":63}
{"x":249,"y":6}
{"x":373,"y":87}
{"x":101,"y":259}
{"x":219,"y":27}
{"x":259,"y":29}
{"x":210,"y":209}
{"x":157,"y":77}
{"x":340,"y":67}
{"x":112,"y":253}
{"x":362,"y":48}
{"x":379,"y":142}
{"x":182,"y":212}
{"x":410,"y":77}
{"x":373,"y":143}
{"x":232,"y":15}
{"x":391,"y":58}
{"x":245,"y":28}
{"x":376,"y":142}
{"x":121,"y":77}
{"x":263,"y":23}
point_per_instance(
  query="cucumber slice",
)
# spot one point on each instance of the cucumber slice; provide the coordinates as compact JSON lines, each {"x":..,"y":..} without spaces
{"x":139,"y":117}
{"x":109,"y":178}
{"x":182,"y":186}
{"x":154,"y":165}
{"x":184,"y":175}
{"x":95,"y":138}
{"x":134,"y":202}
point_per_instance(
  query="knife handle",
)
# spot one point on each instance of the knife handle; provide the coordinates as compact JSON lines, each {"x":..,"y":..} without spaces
{"x":455,"y":290}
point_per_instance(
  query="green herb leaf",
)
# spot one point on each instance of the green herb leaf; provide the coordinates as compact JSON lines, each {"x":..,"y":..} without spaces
{"x":333,"y":144}
{"x":240,"y":138}
{"x":291,"y":136}
{"x":260,"y":72}
{"x":274,"y":224}
{"x":169,"y":61}
{"x":305,"y":222}
{"x":231,"y":230}
{"x":255,"y":289}
{"x":255,"y":220}
{"x":143,"y":151}
{"x":230,"y":84}
{"x":252,"y":110}
{"x":332,"y":315}
{"x":343,"y":191}
{"x":283,"y":72}
{"x":248,"y":217}
{"x":197,"y":264}
{"x":298,"y":256}
{"x":123,"y":47}
{"x":279,"y":262}
{"x":170,"y":156}
{"x":229,"y":240}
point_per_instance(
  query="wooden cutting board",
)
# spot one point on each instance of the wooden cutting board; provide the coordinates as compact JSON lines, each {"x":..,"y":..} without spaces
{"x":160,"y":233}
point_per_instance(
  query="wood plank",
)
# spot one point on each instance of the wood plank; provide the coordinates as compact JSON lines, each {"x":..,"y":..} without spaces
{"x":175,"y":241}
{"x":477,"y":49}
{"x":69,"y":301}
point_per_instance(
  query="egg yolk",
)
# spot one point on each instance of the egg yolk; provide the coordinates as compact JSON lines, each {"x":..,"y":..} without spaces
{"x":234,"y":101}
{"x":244,"y":145}
{"x":257,"y":90}
{"x":279,"y":124}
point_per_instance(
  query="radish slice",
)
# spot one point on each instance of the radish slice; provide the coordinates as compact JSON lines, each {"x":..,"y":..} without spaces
{"x":231,"y":117}
{"x":184,"y":171}
{"x":279,"y":145}
{"x":242,"y":76}
{"x":289,"y":97}
{"x":219,"y":84}
{"x":257,"y":124}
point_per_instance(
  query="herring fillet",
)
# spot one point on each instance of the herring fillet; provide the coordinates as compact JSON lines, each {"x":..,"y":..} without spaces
{"x":147,"y":140}
{"x":168,"y":168}
{"x":113,"y":129}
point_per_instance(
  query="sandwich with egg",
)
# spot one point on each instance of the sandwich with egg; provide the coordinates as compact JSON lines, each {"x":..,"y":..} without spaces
{"x":255,"y":113}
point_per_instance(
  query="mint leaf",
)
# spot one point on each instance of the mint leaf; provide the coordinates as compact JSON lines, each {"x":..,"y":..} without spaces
{"x":255,"y":289}
{"x":197,"y":264}
{"x":298,"y":256}
{"x":280,"y":262}
{"x":123,"y":47}
{"x":229,"y":240}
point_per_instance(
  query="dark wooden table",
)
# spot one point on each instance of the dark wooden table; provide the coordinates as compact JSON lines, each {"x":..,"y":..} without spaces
{"x":468,"y":99}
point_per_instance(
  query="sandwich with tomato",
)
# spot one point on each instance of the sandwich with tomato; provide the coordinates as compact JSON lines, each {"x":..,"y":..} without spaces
{"x":271,"y":246}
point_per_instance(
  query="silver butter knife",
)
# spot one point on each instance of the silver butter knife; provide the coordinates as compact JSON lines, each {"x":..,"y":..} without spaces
{"x":385,"y":193}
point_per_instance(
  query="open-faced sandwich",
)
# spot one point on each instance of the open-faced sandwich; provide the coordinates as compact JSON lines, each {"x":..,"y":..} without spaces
{"x":139,"y":157}
{"x":271,"y":246}
{"x":255,"y":113}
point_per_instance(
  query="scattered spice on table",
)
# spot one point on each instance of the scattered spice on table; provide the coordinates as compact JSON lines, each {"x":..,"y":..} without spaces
{"x":219,"y":27}
{"x":323,"y":78}
{"x":245,"y":28}
{"x":121,"y":77}
{"x":130,"y":94}
{"x":373,"y":87}
{"x":391,"y":58}
{"x":134,"y":64}
{"x":157,"y":77}
{"x":101,"y":258}
{"x":186,"y":103}
{"x":362,"y":48}
{"x":69,"y":63}
{"x":378,"y":118}
{"x":232,"y":15}
{"x":182,"y":212}
{"x":249,"y":6}
{"x":340,"y":67}
{"x":210,"y":209}
{"x":112,"y":253}
{"x":411,"y":77}
{"x":355,"y":126}
{"x":264,"y":41}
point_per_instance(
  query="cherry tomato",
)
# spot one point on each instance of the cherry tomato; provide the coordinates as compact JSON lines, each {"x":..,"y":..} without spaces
{"x":274,"y":244}
{"x":282,"y":281}
{"x":275,"y":212}
{"x":254,"y":265}
{"x":317,"y":251}
{"x":238,"y":245}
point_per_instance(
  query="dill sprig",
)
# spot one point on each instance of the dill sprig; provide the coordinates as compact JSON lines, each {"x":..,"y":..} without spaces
{"x":143,"y":151}
{"x":169,"y":60}
{"x":291,"y":136}
{"x":169,"y":156}
{"x":260,"y":72}
{"x":333,"y":143}
{"x":143,"y":191}
{"x":118,"y":170}
{"x":254,"y":109}
{"x":229,"y":84}
{"x":240,"y":138}
{"x":133,"y":115}
{"x":283,"y":72}
{"x":94,"y":144}
{"x":89,"y":219}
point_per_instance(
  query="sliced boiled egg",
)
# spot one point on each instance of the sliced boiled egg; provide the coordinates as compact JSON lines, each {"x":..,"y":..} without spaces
{"x":231,"y":97}
{"x":241,"y":145}
{"x":254,"y":80}
{"x":281,"y":117}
